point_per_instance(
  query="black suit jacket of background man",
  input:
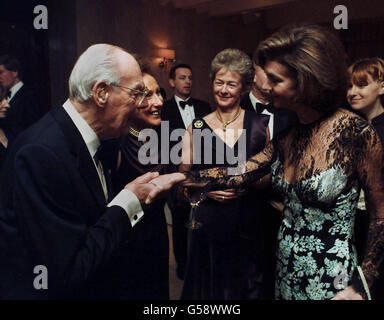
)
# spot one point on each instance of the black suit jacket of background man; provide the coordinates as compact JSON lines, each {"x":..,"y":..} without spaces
{"x":25,"y":109}
{"x":171,"y":113}
{"x":53,"y":213}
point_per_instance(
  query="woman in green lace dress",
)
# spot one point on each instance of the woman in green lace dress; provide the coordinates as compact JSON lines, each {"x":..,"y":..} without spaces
{"x":318,"y":167}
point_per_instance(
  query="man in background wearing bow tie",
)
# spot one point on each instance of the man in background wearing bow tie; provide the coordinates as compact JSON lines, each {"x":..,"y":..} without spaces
{"x":180,"y":111}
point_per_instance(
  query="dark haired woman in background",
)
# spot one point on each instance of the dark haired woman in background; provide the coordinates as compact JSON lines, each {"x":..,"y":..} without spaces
{"x":147,"y":253}
{"x":318,"y":166}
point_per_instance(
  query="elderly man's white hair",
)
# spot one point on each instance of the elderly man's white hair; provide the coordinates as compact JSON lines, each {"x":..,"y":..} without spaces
{"x":97,"y":63}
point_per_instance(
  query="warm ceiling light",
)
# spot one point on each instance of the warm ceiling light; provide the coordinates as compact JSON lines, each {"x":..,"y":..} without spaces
{"x":167,"y":55}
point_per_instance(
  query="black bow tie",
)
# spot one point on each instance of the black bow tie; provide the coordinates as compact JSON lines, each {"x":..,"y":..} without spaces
{"x":184,"y":103}
{"x":9,"y":93}
{"x":261,"y":107}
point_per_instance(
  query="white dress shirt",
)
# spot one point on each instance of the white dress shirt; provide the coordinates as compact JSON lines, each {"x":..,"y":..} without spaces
{"x":187,"y":113}
{"x":126,"y":199}
{"x":254,"y":100}
{"x":14,"y":90}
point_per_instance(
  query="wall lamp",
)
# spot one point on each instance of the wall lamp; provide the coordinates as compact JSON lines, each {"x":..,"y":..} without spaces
{"x":167,"y":56}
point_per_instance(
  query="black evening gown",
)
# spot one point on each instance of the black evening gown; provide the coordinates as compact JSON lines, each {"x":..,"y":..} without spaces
{"x":362,"y":220}
{"x":146,"y":254}
{"x":227,"y":250}
{"x":3,"y":150}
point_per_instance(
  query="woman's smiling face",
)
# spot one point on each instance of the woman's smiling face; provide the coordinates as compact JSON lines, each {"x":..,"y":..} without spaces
{"x":148,"y":115}
{"x":227,"y":88}
{"x":364,"y":93}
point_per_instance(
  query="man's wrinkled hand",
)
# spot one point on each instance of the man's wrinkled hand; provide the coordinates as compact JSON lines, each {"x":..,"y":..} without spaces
{"x":141,"y":186}
{"x":162,"y":184}
{"x":223,"y":195}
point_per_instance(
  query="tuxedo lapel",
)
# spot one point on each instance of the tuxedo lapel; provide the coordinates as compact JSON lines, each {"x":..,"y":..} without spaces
{"x":80,"y":151}
{"x":199,"y":113}
{"x":175,"y":117}
{"x":246,"y":103}
{"x":18,"y":95}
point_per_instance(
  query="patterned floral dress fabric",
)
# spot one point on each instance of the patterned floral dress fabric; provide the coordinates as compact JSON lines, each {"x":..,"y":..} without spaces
{"x":315,"y":244}
{"x":319,"y":169}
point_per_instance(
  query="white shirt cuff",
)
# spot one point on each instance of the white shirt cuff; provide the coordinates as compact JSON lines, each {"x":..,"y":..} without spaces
{"x":127,"y":200}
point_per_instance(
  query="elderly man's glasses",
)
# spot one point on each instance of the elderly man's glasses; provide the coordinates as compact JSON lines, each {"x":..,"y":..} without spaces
{"x":139,"y":95}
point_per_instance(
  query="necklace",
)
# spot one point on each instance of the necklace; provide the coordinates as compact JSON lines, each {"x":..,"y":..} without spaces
{"x":134,"y":132}
{"x":226,"y":123}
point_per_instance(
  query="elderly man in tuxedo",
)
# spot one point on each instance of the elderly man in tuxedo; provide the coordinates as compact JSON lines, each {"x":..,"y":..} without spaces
{"x":56,"y":212}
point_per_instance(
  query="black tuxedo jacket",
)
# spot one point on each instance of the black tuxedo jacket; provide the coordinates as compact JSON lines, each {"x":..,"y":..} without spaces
{"x":25,"y":109}
{"x":53,"y":213}
{"x":282,"y":120}
{"x":170,"y":112}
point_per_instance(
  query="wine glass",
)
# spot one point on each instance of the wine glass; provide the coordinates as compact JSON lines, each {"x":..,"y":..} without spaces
{"x":195,"y":198}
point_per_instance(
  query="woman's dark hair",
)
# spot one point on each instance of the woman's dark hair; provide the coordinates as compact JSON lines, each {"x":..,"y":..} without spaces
{"x":11,"y":64}
{"x":3,"y":93}
{"x":172,"y":72}
{"x":315,"y":58}
{"x":144,"y":63}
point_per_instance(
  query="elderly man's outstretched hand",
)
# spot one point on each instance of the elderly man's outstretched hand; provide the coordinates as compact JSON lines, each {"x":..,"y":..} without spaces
{"x":141,"y":186}
{"x":162,"y":184}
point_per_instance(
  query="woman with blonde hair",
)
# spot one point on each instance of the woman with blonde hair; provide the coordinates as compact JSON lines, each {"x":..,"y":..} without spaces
{"x":224,"y":254}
